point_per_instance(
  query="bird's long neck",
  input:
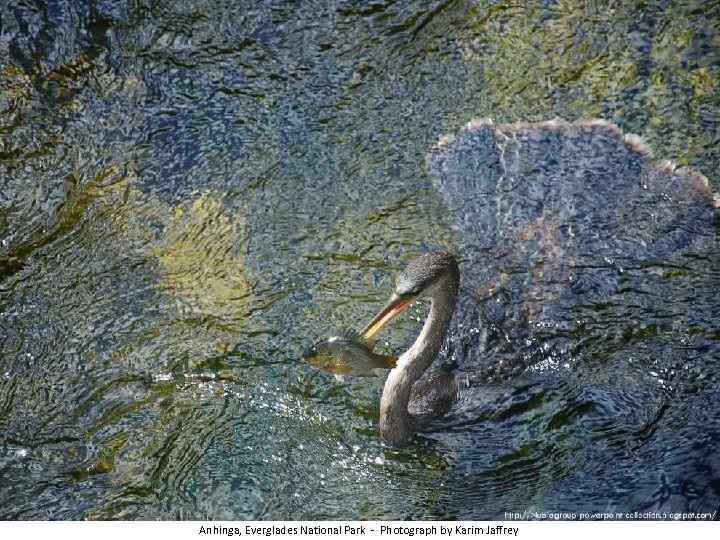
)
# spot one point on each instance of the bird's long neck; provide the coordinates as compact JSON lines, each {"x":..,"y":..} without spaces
{"x":396,"y":424}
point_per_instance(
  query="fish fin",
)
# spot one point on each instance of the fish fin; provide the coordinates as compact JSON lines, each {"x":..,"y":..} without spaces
{"x":350,"y":334}
{"x":353,"y":335}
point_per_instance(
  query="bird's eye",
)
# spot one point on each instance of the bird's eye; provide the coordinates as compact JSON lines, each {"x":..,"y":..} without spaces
{"x":405,"y":292}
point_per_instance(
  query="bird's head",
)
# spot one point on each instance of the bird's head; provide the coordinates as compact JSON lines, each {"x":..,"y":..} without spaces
{"x":420,"y":278}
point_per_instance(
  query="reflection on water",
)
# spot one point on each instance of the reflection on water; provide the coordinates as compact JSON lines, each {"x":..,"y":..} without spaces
{"x":202,"y":260}
{"x":191,"y":194}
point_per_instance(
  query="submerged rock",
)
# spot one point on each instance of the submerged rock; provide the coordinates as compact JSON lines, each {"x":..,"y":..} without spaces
{"x":568,"y":231}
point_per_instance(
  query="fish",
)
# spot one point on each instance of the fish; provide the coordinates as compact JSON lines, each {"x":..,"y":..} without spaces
{"x":348,"y":355}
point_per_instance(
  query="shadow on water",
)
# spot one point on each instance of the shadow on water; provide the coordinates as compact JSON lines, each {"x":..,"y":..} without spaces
{"x":192,"y":193}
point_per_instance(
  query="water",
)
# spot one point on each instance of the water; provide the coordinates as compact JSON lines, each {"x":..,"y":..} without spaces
{"x":193,"y":192}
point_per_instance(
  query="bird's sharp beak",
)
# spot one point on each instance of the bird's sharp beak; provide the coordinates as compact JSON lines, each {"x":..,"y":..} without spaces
{"x":395,"y":306}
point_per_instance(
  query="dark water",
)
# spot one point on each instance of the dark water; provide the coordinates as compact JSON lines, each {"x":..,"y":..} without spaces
{"x":192,"y":192}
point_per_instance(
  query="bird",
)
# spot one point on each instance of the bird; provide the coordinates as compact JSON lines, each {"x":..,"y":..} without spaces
{"x":436,"y":276}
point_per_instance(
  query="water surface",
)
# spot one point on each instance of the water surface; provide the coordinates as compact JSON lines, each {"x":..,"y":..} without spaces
{"x":192,"y":192}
